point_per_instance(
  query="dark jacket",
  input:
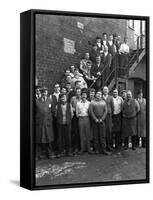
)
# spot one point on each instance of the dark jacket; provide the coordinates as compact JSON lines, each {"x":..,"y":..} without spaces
{"x":93,"y":55}
{"x":110,"y":104}
{"x":54,"y":104}
{"x":59,"y":114}
{"x":95,"y":69}
{"x":44,"y":127}
{"x":106,"y":60}
{"x":111,"y":48}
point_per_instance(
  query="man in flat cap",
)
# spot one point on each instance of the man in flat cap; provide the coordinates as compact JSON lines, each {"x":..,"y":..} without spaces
{"x":99,"y":43}
{"x":123,"y":94}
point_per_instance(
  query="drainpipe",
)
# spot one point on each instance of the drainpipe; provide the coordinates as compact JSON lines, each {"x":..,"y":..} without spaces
{"x":138,"y":46}
{"x":141,"y":34}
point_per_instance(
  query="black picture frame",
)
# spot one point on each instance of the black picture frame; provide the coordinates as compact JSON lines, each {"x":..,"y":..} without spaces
{"x":27,"y":98}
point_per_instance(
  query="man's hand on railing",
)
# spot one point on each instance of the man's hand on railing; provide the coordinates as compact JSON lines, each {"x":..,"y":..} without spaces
{"x":94,"y":80}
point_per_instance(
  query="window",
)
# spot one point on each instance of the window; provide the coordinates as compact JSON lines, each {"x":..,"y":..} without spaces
{"x":131,"y":23}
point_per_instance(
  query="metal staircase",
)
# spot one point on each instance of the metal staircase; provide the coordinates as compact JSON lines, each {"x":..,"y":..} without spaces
{"x":118,"y":76}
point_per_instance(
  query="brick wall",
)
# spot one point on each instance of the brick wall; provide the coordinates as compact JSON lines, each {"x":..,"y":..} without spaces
{"x":51,"y":60}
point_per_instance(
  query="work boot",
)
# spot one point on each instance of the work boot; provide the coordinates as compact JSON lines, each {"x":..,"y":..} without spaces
{"x":81,"y":151}
{"x":133,"y":143}
{"x":58,"y":156}
{"x":110,"y":148}
{"x":69,"y":154}
{"x":105,"y":152}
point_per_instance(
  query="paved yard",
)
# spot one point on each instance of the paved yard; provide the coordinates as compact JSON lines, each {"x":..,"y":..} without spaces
{"x":127,"y":165}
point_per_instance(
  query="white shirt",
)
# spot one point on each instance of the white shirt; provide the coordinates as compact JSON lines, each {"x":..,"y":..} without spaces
{"x":118,"y":101}
{"x":105,"y":54}
{"x":104,"y":42}
{"x":82,"y":108}
{"x":105,"y":96}
{"x":74,"y":101}
{"x":124,"y":48}
{"x":72,"y":75}
{"x":99,"y":44}
{"x":57,"y":95}
{"x":110,"y":43}
{"x":64,"y":112}
{"x":81,"y":79}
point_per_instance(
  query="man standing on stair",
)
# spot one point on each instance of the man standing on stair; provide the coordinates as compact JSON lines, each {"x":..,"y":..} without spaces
{"x":96,"y":70}
{"x":124,"y":55}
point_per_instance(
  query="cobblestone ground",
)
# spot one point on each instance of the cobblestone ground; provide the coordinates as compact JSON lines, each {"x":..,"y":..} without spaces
{"x":125,"y":165}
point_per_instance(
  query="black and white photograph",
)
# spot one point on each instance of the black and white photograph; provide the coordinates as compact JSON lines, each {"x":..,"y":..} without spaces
{"x":90,"y":99}
{"x":76,"y":100}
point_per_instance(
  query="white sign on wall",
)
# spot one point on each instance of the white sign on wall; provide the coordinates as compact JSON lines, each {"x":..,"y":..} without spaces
{"x":80,"y":25}
{"x":69,"y":46}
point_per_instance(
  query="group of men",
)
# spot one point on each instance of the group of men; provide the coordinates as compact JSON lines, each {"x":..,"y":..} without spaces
{"x":80,"y":116}
{"x":90,"y":121}
{"x":107,"y":54}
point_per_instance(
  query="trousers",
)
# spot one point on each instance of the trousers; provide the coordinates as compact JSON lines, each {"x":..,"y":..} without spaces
{"x":64,"y":138}
{"x":99,"y":136}
{"x":84,"y":129}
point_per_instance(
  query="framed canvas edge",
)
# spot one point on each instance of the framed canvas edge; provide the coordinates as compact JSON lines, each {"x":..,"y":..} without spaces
{"x":32,"y":13}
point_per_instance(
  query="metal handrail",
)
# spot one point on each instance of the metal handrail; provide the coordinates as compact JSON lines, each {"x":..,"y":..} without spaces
{"x":102,"y":75}
{"x":109,"y":76}
{"x":99,"y":76}
{"x":116,"y":68}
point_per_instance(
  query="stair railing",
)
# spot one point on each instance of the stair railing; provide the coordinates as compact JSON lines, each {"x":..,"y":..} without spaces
{"x":114,"y":73}
{"x":110,"y":77}
{"x":107,"y":74}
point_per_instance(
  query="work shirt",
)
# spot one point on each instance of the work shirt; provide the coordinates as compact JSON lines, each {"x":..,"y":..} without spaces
{"x":56,"y":95}
{"x":83,"y":65}
{"x":82,"y":108}
{"x":74,"y":101}
{"x":63,"y":107}
{"x":81,"y":79}
{"x":118,"y":102}
{"x":124,"y":48}
{"x":104,"y":42}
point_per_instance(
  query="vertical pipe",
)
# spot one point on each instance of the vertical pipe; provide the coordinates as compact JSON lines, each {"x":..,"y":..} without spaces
{"x":141,"y":34}
{"x":138,"y":45}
